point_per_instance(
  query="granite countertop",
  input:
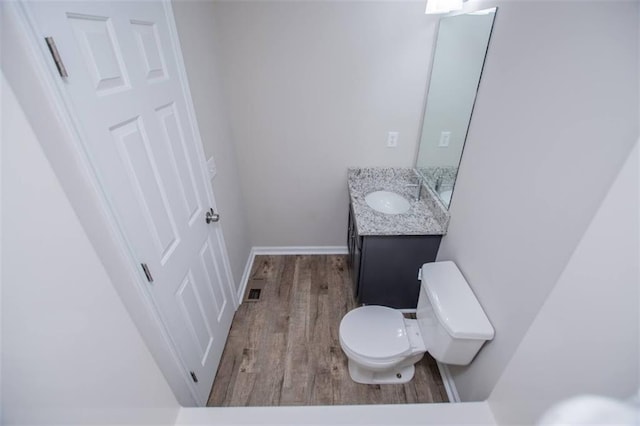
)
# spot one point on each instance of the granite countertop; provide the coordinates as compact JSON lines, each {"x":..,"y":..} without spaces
{"x":425,"y":217}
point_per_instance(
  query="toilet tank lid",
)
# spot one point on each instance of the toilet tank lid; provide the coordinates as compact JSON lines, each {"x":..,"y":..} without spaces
{"x":454,"y":303}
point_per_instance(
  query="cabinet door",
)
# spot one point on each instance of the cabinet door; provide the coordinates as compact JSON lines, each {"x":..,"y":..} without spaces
{"x":350,"y":241}
{"x":356,"y":267}
{"x":354,"y":244}
{"x":389,"y":271}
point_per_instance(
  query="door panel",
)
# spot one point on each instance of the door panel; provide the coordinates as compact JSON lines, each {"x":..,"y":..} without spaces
{"x":211,"y":272}
{"x":172,"y":131}
{"x":125,"y":93}
{"x":100,"y":51}
{"x":194,"y":315}
{"x":135,"y":154}
{"x":148,"y":44}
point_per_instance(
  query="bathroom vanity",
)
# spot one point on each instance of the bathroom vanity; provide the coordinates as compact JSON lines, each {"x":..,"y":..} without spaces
{"x":387,"y":250}
{"x":393,"y":229}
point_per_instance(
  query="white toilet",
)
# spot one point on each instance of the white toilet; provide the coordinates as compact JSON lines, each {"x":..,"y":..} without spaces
{"x":383,"y":346}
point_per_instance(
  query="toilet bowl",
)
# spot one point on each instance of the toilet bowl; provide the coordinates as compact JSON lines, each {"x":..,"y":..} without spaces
{"x":382,"y":345}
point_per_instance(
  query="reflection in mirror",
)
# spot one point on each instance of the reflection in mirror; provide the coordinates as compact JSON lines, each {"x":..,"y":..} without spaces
{"x":459,"y":56}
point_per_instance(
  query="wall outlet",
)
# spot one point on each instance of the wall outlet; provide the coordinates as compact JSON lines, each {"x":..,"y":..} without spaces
{"x":444,"y":139}
{"x":392,"y":139}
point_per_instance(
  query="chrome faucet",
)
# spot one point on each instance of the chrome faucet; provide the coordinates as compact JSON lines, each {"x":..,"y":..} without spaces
{"x":416,"y":185}
{"x":438,"y":184}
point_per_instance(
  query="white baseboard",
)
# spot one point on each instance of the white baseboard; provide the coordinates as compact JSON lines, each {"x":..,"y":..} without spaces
{"x":301,"y":250}
{"x":255,"y":251}
{"x":245,"y":276}
{"x":449,"y":384}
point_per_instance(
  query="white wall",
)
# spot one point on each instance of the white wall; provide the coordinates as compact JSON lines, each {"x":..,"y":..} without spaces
{"x":195,"y":23}
{"x":556,"y":115}
{"x":585,"y":338}
{"x":71,"y":354}
{"x":313,"y":88}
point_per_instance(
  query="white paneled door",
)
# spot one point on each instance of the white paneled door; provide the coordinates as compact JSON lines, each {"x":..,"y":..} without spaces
{"x":128,"y":96}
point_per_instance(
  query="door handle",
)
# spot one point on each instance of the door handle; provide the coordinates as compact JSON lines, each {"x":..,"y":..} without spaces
{"x":210,"y":216}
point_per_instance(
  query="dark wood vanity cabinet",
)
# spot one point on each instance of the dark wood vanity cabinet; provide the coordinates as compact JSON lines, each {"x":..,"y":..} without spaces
{"x":385,"y":268}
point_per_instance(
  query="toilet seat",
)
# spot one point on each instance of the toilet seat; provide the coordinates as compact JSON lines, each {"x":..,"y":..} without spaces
{"x":376,"y":334}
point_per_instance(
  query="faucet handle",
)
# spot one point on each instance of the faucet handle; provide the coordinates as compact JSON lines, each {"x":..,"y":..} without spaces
{"x":415,"y":185}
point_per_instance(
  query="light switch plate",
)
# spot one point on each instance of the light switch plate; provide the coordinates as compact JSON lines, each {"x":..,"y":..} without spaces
{"x":444,"y":139}
{"x":392,"y":139}
{"x":211,"y":168}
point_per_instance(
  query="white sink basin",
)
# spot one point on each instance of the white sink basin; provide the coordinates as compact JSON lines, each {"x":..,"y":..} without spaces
{"x":387,"y":202}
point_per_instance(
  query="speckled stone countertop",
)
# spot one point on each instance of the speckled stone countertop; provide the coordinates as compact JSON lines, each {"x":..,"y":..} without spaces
{"x":425,"y":217}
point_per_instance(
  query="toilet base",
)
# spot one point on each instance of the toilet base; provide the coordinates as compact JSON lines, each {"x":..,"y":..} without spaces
{"x":396,"y":375}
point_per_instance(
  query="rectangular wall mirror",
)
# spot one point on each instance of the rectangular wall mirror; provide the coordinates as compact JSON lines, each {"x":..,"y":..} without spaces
{"x":461,"y":47}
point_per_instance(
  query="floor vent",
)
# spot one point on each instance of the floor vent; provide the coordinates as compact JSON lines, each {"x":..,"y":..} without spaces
{"x":254,"y":290}
{"x":254,"y":295}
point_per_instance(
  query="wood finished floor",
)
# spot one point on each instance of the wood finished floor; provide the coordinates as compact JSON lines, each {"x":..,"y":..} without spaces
{"x":284,"y":349}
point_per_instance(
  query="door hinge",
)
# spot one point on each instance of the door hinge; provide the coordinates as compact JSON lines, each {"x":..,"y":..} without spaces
{"x":147,"y":272}
{"x":56,"y":57}
{"x":194,"y":377}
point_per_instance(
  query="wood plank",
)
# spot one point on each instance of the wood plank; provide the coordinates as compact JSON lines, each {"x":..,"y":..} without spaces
{"x":284,"y":349}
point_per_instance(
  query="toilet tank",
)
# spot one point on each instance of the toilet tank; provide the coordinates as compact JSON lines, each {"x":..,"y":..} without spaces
{"x":452,"y":323}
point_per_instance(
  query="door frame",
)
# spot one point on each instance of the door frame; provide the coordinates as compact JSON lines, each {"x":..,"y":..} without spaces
{"x":34,"y":78}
